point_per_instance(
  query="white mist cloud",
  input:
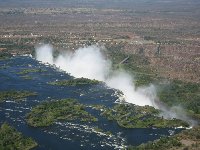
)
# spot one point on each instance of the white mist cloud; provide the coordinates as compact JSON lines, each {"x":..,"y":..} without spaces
{"x":45,"y":54}
{"x":177,"y":112}
{"x":86,"y":62}
{"x":124,"y":82}
{"x":89,"y":62}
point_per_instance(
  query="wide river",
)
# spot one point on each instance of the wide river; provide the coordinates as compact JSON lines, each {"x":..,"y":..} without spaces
{"x":65,"y":135}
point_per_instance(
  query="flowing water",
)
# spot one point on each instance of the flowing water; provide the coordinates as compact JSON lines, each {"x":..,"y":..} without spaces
{"x":63,"y":134}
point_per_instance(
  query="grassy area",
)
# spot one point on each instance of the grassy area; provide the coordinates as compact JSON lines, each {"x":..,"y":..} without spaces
{"x":26,"y":71}
{"x":181,"y":93}
{"x":15,"y":95}
{"x":47,"y":113}
{"x":132,"y":116}
{"x":11,"y":139}
{"x":186,"y":140}
{"x":74,"y":82}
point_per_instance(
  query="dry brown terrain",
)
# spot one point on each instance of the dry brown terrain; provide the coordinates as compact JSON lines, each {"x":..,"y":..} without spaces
{"x":167,"y":33}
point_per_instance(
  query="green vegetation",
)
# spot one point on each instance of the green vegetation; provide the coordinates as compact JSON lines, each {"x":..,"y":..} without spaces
{"x":47,"y":113}
{"x":98,"y":107}
{"x":132,"y":116}
{"x":4,"y":55}
{"x":177,"y":93}
{"x":26,"y":71}
{"x":74,"y":82}
{"x":163,"y":143}
{"x":184,"y":94}
{"x":192,"y":134}
{"x":11,"y":139}
{"x":98,"y":129}
{"x":12,"y":45}
{"x":27,"y":77}
{"x":186,"y":140}
{"x":136,"y":64}
{"x":108,"y":133}
{"x":15,"y":95}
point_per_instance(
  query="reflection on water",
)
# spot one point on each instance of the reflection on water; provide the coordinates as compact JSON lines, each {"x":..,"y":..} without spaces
{"x":70,"y":135}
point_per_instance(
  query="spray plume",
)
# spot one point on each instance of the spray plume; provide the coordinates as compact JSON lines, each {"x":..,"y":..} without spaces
{"x":89,"y":62}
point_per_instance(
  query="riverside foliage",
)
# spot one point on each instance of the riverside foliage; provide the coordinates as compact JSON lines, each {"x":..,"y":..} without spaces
{"x":15,"y":95}
{"x":74,"y":82}
{"x":133,"y":116}
{"x":11,"y":139}
{"x":47,"y":113}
